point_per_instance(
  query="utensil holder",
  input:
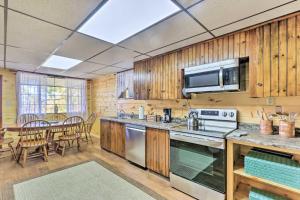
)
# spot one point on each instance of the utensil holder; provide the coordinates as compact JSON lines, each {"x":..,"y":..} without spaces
{"x":287,"y":129}
{"x":266,"y":127}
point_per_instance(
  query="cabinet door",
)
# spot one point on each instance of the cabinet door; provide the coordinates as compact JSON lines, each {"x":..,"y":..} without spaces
{"x":158,"y":150}
{"x":141,"y":80}
{"x":118,"y":138}
{"x":105,"y":134}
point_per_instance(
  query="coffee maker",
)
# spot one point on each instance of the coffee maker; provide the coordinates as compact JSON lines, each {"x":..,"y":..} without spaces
{"x":167,"y":115}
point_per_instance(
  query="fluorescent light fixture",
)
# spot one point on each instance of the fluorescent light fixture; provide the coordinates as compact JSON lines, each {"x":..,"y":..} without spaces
{"x":117,"y":20}
{"x":60,"y":62}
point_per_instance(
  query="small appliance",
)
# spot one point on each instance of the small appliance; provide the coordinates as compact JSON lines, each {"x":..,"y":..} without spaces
{"x":167,"y":118}
{"x":227,"y":75}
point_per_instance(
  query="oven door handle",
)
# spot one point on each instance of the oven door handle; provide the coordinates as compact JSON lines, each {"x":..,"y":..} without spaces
{"x":221,"y":77}
{"x":215,"y":143}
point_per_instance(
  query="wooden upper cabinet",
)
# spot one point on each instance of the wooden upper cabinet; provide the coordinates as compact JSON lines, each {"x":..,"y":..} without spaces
{"x":274,"y":61}
{"x":275,"y":58}
{"x":158,"y":78}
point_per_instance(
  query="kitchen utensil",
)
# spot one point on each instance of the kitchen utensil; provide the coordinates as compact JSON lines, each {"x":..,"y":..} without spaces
{"x":266,"y":127}
{"x":192,"y":122}
{"x":286,"y":129}
{"x":141,"y":112}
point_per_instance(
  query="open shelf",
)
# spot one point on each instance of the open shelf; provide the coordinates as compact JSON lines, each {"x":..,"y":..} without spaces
{"x":239,"y":170}
{"x":242,"y":192}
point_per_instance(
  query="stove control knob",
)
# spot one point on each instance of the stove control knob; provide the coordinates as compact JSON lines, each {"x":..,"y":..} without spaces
{"x":231,"y":114}
{"x":224,"y":114}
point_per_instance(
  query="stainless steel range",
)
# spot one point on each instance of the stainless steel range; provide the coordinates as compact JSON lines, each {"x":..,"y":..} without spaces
{"x":198,"y":157}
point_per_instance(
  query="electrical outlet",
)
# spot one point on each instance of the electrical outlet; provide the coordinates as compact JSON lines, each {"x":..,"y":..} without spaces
{"x":270,"y":101}
{"x":278,"y":109}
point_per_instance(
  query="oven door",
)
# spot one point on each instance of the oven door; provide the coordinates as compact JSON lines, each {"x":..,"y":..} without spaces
{"x":199,"y":159}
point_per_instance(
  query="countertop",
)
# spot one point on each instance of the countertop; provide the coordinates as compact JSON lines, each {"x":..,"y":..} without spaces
{"x":150,"y":124}
{"x":174,"y":126}
{"x":246,"y":133}
{"x":253,"y":136}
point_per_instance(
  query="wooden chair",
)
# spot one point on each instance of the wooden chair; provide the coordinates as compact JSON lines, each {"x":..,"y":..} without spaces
{"x":73,"y":127}
{"x":34,"y":135}
{"x":88,"y":127}
{"x":6,"y":142}
{"x":24,"y":118}
{"x":54,"y":118}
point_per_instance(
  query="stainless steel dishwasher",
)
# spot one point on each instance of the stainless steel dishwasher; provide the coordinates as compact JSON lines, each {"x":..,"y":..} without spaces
{"x":136,"y":144}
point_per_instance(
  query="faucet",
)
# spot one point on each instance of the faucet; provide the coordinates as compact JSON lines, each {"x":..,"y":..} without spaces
{"x":122,"y":113}
{"x":132,"y":115}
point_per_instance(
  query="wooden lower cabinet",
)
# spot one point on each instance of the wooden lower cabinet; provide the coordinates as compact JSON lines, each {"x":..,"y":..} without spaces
{"x":158,"y":151}
{"x":105,"y":134}
{"x":112,"y":137}
{"x":118,"y":138}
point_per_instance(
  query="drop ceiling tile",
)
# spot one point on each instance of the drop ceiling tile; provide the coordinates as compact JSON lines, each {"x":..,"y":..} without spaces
{"x":20,"y":66}
{"x":86,"y":67}
{"x":89,"y":76}
{"x":198,"y":38}
{"x":216,"y":13}
{"x":68,"y":13}
{"x":22,"y":56}
{"x":187,"y":3}
{"x":283,"y":10}
{"x":2,"y":2}
{"x":108,"y":70}
{"x":48,"y":70}
{"x":72,"y":73}
{"x":128,"y":64}
{"x":174,"y":29}
{"x":114,"y":55}
{"x":82,"y":47}
{"x":141,"y":57}
{"x":33,"y":34}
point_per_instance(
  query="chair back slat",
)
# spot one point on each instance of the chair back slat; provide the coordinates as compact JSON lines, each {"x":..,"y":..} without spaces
{"x":35,"y":131}
{"x":24,"y":118}
{"x":90,"y":122}
{"x":73,"y":125}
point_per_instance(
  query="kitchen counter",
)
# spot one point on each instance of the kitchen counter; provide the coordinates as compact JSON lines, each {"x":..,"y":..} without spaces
{"x":174,"y":126}
{"x":150,"y":124}
{"x":253,"y":136}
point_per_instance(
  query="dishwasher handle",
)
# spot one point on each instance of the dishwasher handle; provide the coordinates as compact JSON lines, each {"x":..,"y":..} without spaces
{"x":135,"y":129}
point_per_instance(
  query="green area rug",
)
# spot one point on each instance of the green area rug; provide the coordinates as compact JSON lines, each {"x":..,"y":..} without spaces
{"x":88,"y":181}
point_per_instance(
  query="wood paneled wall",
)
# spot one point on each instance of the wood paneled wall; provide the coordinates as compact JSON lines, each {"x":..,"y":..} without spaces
{"x":274,"y":49}
{"x":158,"y":78}
{"x":274,"y":61}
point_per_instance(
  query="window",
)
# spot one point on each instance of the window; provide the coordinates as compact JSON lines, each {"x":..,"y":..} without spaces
{"x":42,"y":94}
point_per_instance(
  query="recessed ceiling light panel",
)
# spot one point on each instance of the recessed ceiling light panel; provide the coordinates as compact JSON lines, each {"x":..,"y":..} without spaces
{"x":60,"y":62}
{"x":117,"y":20}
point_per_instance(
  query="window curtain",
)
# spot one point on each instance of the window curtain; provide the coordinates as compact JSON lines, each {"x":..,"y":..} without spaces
{"x":29,"y":92}
{"x":34,"y":94}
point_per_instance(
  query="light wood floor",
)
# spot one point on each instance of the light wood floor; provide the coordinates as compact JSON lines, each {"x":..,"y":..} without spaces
{"x":11,"y":173}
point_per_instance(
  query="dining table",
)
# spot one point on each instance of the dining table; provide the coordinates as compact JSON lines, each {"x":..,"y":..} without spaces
{"x":56,"y":127}
{"x":17,"y":127}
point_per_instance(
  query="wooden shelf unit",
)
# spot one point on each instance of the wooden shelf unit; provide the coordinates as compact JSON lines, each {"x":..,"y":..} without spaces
{"x":239,"y":183}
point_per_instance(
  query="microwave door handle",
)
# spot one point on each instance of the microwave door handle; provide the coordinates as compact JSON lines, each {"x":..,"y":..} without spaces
{"x":221,"y":77}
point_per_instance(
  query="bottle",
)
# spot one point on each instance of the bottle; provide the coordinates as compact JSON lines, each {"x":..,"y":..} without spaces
{"x":141,"y":112}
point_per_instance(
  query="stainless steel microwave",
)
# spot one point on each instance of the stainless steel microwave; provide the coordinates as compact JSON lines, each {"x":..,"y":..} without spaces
{"x":227,"y":75}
